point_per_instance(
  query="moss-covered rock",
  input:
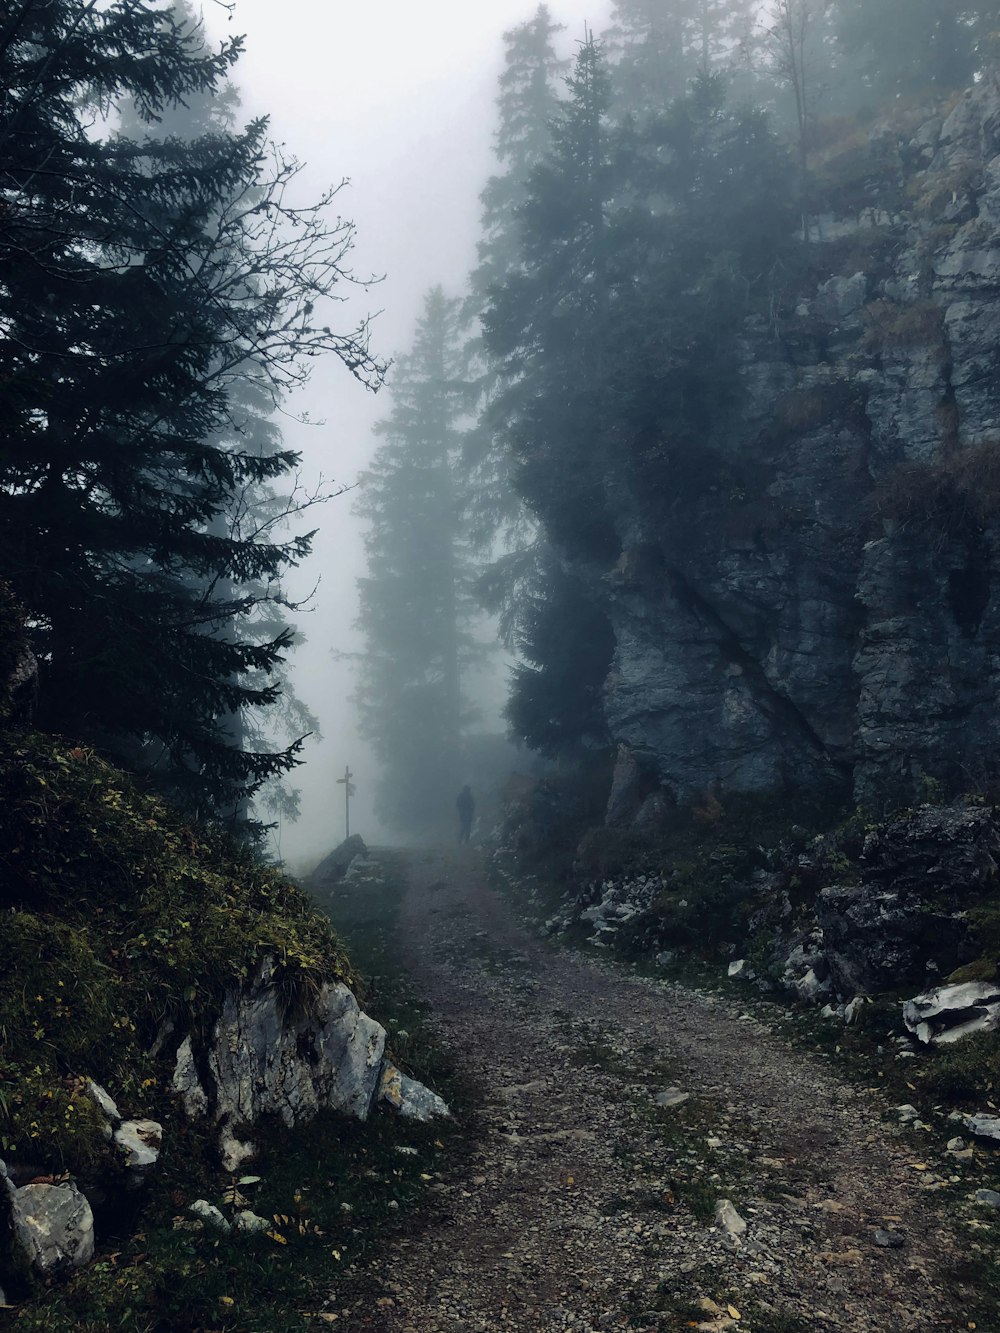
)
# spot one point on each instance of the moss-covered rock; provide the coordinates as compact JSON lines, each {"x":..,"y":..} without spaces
{"x":121,"y":920}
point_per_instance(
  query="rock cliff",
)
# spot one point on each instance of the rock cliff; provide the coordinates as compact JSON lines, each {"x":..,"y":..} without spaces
{"x":825,"y":610}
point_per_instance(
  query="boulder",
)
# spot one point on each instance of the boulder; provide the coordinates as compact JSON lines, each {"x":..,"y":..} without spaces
{"x":54,"y":1227}
{"x":266,"y":1058}
{"x":411,"y":1099}
{"x":332,"y":869}
{"x":948,"y":1013}
{"x":982,"y":1125}
{"x":139,"y":1142}
{"x":729,"y":1219}
{"x":207,"y":1212}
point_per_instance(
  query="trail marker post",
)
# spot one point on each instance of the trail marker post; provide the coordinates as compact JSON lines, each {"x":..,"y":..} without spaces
{"x":349,"y":789}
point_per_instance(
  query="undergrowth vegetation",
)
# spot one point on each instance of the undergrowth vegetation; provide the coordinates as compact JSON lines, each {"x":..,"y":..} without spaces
{"x":119,"y":917}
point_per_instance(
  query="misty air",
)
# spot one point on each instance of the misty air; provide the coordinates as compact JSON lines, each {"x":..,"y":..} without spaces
{"x":500,"y":666}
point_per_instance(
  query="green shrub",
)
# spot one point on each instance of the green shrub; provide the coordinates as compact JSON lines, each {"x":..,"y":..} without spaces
{"x":967,"y":1070}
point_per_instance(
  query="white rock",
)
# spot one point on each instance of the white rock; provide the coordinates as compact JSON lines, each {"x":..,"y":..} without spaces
{"x":262,"y":1060}
{"x":853,"y":1008}
{"x":984,"y":1126}
{"x":186,"y":1082}
{"x":105,"y":1102}
{"x":234,"y":1152}
{"x":140,"y":1142}
{"x":671,"y":1097}
{"x":250,"y":1222}
{"x":54,"y":1226}
{"x":907,"y":1112}
{"x":729,"y":1219}
{"x":988,"y":1198}
{"x":740,"y":968}
{"x":207,"y":1212}
{"x":411,"y":1099}
{"x":809,"y":987}
{"x":948,"y":1013}
{"x":955,"y":1145}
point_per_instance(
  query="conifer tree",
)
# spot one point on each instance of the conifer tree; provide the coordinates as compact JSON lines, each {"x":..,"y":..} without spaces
{"x":150,"y":285}
{"x":416,"y":605}
{"x":527,"y":106}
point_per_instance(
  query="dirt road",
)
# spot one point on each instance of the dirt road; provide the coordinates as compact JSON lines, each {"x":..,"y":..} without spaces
{"x":589,"y":1206}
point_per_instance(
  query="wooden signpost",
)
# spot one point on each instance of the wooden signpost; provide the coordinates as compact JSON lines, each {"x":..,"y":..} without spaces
{"x":348,"y":787}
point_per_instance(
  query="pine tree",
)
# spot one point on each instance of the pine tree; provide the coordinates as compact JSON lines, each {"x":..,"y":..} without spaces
{"x":149,"y":286}
{"x":416,"y":608}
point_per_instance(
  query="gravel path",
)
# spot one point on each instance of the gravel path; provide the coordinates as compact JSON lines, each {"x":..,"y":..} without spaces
{"x":587,"y":1206}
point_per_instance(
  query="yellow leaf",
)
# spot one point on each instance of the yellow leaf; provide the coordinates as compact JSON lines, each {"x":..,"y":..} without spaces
{"x":227,"y":1300}
{"x":335,"y":1253}
{"x":733,"y":1312}
{"x":278,"y":1237}
{"x":918,"y":1166}
{"x":570,"y":1180}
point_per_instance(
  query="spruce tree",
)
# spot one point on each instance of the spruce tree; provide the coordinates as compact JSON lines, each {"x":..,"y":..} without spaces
{"x":416,"y":607}
{"x":527,"y":103}
{"x":150,"y":285}
{"x":527,"y":106}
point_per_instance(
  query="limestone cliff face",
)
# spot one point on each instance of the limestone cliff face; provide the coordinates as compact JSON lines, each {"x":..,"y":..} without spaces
{"x":827,"y":608}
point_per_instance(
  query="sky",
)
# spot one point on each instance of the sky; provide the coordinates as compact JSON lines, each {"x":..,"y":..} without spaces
{"x":396,"y":96}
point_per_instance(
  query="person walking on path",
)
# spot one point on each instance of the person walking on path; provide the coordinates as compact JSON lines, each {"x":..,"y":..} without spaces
{"x":466,"y":809}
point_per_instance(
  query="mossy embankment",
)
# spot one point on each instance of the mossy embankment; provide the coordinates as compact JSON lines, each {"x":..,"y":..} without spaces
{"x":124,"y":925}
{"x":121,"y":917}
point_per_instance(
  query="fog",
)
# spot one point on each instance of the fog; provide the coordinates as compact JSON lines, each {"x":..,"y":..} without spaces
{"x":397,"y":99}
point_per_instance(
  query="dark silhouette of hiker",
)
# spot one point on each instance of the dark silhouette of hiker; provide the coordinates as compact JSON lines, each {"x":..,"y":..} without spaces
{"x":466,"y":806}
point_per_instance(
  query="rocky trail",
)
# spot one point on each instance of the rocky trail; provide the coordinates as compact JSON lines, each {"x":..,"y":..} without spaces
{"x":618,"y":1113}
